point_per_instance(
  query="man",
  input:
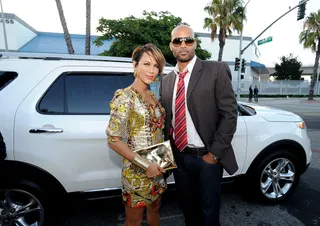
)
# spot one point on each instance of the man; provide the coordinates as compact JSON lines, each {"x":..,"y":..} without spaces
{"x":201,"y":119}
{"x":250,"y":93}
{"x":256,"y":93}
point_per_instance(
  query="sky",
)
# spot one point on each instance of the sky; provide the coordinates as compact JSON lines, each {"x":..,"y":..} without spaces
{"x":42,"y":15}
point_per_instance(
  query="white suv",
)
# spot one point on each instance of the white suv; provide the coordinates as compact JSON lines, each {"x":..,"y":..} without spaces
{"x":53,"y":113}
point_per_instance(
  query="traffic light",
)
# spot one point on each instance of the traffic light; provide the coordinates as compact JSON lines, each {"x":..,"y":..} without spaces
{"x":243,"y":66}
{"x":237,"y":64}
{"x":301,"y":10}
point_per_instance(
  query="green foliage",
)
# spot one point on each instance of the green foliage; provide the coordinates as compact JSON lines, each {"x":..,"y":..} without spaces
{"x":310,"y":35}
{"x":129,"y":32}
{"x":310,"y":38}
{"x":288,"y":69}
{"x":224,"y":16}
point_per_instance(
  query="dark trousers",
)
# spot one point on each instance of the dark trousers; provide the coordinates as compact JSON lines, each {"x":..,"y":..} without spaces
{"x":199,"y":188}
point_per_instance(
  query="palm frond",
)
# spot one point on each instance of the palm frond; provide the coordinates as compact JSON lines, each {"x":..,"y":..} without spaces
{"x":310,"y":35}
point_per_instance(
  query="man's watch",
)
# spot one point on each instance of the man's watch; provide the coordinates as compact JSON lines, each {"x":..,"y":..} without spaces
{"x":215,"y":158}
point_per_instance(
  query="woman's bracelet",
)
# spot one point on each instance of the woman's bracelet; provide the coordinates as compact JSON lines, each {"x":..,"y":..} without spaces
{"x":141,"y":162}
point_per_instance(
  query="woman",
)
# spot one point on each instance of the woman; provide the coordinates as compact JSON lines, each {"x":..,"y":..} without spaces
{"x":136,"y":121}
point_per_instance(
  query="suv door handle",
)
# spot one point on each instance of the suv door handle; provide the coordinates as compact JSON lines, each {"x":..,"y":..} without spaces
{"x":45,"y":130}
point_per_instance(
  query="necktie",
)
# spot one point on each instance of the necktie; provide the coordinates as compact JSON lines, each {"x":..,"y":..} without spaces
{"x":180,"y":124}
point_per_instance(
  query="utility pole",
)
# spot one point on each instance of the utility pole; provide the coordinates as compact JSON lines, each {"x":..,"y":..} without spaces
{"x":240,"y":57}
{"x":317,"y":81}
{"x":242,"y":51}
{"x":4,"y":28}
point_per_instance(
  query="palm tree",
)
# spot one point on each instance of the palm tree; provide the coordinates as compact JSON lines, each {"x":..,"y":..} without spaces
{"x":65,"y":28}
{"x":310,"y":38}
{"x":225,"y":15}
{"x":88,"y":20}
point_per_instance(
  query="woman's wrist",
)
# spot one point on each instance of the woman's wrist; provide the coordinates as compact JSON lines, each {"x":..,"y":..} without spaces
{"x":141,"y":162}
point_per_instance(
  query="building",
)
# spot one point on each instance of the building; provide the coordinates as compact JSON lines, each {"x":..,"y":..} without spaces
{"x":21,"y":37}
{"x":255,"y":71}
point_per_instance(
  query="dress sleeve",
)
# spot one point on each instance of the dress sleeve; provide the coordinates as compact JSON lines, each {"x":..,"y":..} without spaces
{"x":118,"y":128}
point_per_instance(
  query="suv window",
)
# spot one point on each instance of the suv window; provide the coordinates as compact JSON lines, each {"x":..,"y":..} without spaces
{"x":6,"y":77}
{"x":53,"y":100}
{"x":83,"y":93}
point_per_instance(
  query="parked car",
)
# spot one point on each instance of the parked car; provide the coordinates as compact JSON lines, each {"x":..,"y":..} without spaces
{"x":53,"y":115}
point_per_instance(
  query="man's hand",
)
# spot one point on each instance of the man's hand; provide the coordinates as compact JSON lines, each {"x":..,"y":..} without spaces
{"x":209,"y":158}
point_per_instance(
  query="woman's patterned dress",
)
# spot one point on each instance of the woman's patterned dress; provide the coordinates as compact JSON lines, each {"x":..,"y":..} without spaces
{"x":138,"y":124}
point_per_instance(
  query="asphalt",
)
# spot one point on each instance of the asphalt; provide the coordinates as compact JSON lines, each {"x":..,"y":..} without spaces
{"x":304,"y":204}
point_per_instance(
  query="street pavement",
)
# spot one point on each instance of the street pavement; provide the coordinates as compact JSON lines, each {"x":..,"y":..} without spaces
{"x":301,"y":208}
{"x":305,"y":201}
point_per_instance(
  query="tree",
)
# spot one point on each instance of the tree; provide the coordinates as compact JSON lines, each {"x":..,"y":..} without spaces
{"x":65,"y":28}
{"x":88,"y":21}
{"x":288,"y":69}
{"x":310,"y":38}
{"x":225,"y":15}
{"x":129,"y":32}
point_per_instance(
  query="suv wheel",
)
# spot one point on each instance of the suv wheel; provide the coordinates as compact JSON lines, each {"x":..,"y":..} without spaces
{"x":23,"y":203}
{"x":275,"y":177}
{"x":20,"y":207}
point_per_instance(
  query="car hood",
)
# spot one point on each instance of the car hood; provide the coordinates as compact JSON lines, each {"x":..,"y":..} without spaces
{"x":273,"y":114}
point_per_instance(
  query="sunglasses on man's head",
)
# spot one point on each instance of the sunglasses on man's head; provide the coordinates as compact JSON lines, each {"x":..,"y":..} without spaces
{"x":178,"y":41}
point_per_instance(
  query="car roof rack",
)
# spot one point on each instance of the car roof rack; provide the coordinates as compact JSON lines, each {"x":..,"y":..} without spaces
{"x":52,"y":56}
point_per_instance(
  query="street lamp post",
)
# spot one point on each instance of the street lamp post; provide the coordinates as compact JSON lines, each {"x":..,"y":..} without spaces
{"x":4,"y":28}
{"x":240,"y":57}
{"x":317,"y":81}
{"x":240,"y":65}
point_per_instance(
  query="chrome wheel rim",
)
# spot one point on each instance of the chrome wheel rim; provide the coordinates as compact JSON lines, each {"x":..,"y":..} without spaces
{"x":277,"y":178}
{"x":20,"y":208}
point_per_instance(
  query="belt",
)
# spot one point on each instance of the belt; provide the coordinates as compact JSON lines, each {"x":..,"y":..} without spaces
{"x":196,"y":151}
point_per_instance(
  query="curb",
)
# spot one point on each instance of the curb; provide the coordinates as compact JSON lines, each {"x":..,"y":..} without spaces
{"x":310,"y":101}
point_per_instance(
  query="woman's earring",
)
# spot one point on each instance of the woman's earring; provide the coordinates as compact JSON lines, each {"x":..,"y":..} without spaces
{"x":135,"y":74}
{"x":156,"y":79}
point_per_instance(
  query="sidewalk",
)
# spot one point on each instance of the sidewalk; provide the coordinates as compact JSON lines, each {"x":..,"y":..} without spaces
{"x":284,"y":100}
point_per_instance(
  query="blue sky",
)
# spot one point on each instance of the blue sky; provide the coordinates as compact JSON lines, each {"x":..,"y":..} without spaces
{"x":43,"y":16}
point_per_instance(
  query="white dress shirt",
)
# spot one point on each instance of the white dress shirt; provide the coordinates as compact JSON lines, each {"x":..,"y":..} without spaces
{"x":194,"y":139}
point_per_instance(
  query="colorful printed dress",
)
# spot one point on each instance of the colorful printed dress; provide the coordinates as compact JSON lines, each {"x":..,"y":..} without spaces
{"x":138,"y":124}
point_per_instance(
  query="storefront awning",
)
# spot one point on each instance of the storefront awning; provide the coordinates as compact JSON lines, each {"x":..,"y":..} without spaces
{"x":259,"y":68}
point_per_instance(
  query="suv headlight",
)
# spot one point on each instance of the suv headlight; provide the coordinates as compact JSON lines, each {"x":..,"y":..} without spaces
{"x":301,"y":125}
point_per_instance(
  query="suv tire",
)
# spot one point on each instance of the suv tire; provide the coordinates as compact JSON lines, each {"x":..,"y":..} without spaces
{"x":24,"y":201}
{"x":274,"y":178}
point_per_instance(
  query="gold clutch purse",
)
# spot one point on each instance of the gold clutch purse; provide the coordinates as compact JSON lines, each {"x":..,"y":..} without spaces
{"x":160,"y":154}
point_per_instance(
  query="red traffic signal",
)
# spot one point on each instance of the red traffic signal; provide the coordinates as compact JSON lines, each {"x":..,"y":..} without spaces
{"x":237,"y":64}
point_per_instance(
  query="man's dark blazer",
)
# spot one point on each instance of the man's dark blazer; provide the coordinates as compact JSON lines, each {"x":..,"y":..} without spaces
{"x":212,"y":105}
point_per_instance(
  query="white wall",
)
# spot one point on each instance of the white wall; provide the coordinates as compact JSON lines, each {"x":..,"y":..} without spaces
{"x":17,"y":33}
{"x":230,"y":52}
{"x":231,"y":49}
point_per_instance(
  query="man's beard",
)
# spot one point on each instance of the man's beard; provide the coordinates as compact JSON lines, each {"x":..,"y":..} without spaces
{"x":183,"y":60}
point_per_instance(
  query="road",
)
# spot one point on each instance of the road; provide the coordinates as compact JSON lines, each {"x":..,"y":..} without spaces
{"x":305,"y":201}
{"x":302,"y":208}
{"x":309,"y":111}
